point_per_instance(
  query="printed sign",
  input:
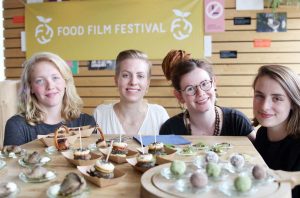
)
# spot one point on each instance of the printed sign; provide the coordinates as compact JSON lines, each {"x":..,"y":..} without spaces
{"x":242,"y":21}
{"x":98,"y":30}
{"x":228,"y":54}
{"x":214,"y":16}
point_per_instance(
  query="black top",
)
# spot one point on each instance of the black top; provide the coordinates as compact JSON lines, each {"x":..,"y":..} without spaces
{"x":235,"y":123}
{"x":18,"y":131}
{"x":280,"y":155}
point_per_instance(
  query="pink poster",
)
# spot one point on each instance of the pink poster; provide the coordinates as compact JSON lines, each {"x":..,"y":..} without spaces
{"x":214,"y":16}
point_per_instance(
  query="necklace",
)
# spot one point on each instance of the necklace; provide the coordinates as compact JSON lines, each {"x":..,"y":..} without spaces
{"x":187,"y":122}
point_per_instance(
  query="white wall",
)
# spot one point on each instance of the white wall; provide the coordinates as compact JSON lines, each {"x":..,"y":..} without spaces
{"x":1,"y":45}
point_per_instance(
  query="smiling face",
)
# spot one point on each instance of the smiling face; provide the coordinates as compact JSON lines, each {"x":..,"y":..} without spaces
{"x":202,"y":101}
{"x":271,"y":104}
{"x":47,"y":84}
{"x":133,"y":79}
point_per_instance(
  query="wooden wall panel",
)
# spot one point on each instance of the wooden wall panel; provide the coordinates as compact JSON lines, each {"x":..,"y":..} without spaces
{"x":234,"y":76}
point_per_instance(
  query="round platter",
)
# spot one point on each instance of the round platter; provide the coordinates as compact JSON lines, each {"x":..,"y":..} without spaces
{"x":155,"y":185}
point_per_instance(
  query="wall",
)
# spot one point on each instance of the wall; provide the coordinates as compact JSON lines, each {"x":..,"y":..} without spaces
{"x":234,"y":76}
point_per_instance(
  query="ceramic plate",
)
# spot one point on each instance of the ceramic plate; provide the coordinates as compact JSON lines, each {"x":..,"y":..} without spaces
{"x":185,"y":186}
{"x":25,"y":164}
{"x":25,"y":179}
{"x":53,"y":191}
{"x":2,"y":164}
{"x":12,"y":154}
{"x":13,"y":194}
{"x":187,"y":151}
{"x":228,"y":189}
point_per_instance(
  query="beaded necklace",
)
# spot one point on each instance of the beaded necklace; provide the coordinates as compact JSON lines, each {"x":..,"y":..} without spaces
{"x":186,"y":119}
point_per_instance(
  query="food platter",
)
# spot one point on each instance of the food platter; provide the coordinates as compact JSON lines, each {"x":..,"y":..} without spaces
{"x":154,"y":185}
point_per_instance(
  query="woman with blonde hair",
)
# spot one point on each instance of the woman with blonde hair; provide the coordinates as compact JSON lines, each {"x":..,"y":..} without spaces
{"x":131,"y":115}
{"x":47,"y":100}
{"x":195,"y":87}
{"x":276,"y":107}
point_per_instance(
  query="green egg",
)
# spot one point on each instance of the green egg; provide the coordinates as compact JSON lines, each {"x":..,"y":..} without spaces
{"x":242,"y":183}
{"x":213,"y":169}
{"x":178,"y":167}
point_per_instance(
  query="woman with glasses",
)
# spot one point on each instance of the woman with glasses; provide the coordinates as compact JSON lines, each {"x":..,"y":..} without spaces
{"x":276,"y":107}
{"x":132,"y":115}
{"x":195,"y":87}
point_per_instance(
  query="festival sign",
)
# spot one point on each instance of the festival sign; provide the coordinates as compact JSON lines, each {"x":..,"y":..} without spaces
{"x":98,"y":30}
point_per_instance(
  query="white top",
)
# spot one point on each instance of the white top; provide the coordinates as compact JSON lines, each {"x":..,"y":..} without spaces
{"x":109,"y":123}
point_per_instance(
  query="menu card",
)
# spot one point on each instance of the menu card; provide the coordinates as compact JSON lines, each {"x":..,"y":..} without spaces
{"x":166,"y":139}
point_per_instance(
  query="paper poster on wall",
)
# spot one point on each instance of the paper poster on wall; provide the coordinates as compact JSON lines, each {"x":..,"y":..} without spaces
{"x":23,"y":41}
{"x":18,"y":19}
{"x":34,"y":1}
{"x":214,"y":16}
{"x":74,"y":65}
{"x":262,"y":43}
{"x":207,"y":46}
{"x":102,"y":64}
{"x":249,"y":4}
{"x":271,"y":22}
{"x":99,"y":30}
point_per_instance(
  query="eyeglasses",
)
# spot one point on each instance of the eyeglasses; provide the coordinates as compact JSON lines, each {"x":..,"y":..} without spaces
{"x":191,"y":90}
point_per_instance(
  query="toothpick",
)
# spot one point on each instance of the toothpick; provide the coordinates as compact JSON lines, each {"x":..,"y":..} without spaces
{"x":80,"y":139}
{"x":141,"y":140}
{"x":154,"y":137}
{"x":109,"y":151}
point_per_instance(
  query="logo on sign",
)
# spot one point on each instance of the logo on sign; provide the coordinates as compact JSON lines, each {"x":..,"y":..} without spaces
{"x":214,"y":10}
{"x":43,"y":32}
{"x":181,"y":28}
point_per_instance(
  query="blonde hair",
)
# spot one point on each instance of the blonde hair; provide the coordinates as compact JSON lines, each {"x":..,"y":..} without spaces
{"x":28,"y":103}
{"x":290,"y":82}
{"x":132,"y":54}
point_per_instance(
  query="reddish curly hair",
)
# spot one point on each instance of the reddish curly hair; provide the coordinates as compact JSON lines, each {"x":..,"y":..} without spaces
{"x":173,"y":58}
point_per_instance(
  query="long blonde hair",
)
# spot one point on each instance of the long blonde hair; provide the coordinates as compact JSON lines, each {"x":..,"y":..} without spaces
{"x":28,"y":103}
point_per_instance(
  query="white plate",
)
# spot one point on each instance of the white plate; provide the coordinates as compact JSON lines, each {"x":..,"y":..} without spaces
{"x":92,"y":147}
{"x":25,"y":179}
{"x":246,"y":168}
{"x":15,"y":193}
{"x":12,"y":154}
{"x":24,"y":164}
{"x":201,"y":146}
{"x":190,"y":153}
{"x":2,"y":164}
{"x":52,"y":192}
{"x":51,"y":150}
{"x":228,"y":189}
{"x":185,"y":186}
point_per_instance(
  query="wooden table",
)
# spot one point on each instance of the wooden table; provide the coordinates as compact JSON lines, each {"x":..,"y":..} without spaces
{"x":131,"y":184}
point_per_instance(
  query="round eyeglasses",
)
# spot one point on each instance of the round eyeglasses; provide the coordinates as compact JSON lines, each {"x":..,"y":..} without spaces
{"x":191,"y":90}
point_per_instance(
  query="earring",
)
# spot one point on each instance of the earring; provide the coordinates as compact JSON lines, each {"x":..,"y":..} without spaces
{"x":216,"y":96}
{"x":182,"y":107}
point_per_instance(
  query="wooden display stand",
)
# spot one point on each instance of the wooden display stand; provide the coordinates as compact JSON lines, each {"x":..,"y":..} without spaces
{"x":154,"y":186}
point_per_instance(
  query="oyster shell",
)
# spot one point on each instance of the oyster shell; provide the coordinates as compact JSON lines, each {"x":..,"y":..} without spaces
{"x":72,"y":183}
{"x":32,"y":158}
{"x":37,"y":172}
